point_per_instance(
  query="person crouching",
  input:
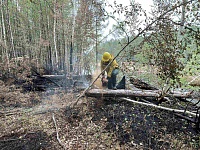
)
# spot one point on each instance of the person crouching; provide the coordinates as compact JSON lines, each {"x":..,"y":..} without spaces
{"x":112,"y":70}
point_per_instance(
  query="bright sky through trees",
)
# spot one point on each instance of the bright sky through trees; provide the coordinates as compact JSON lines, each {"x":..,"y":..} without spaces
{"x":146,"y":5}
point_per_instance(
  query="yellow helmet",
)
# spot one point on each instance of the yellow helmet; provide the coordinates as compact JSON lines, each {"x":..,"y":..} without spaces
{"x":106,"y":57}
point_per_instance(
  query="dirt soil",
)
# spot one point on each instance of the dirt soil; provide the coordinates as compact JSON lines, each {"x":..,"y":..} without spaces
{"x":44,"y":121}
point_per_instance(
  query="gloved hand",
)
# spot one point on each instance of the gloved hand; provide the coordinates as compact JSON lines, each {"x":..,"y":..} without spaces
{"x":104,"y":81}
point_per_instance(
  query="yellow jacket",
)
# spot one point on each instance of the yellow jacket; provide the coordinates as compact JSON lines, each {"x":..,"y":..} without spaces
{"x":111,"y":67}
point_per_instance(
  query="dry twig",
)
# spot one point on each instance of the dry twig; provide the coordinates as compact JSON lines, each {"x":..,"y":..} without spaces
{"x":57,"y":134}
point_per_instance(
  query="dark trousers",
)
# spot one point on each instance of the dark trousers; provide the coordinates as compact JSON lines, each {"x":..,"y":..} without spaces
{"x":113,"y":79}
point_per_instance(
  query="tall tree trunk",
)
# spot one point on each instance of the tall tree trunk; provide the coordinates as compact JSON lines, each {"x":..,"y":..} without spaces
{"x":183,"y":16}
{"x":71,"y":55}
{"x":10,"y":32}
{"x":4,"y":32}
{"x":72,"y":36}
{"x":96,"y":43}
{"x":54,"y":36}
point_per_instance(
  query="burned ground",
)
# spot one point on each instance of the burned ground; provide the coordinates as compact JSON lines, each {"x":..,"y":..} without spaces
{"x":92,"y":124}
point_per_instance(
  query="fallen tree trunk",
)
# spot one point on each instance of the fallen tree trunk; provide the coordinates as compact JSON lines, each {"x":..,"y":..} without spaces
{"x":179,"y":94}
{"x":161,"y":107}
{"x":131,"y":93}
{"x":74,"y":77}
{"x":122,"y":93}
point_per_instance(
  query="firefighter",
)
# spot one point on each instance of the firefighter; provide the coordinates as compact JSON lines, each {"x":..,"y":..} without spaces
{"x":112,"y":71}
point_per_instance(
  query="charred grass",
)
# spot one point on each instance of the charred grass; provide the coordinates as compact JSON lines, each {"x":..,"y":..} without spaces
{"x":92,"y":124}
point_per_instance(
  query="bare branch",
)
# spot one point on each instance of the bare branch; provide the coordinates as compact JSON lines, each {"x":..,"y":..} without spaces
{"x":57,"y":134}
{"x":161,"y":107}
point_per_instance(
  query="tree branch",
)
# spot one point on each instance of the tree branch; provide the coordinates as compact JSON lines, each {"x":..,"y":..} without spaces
{"x":161,"y":107}
{"x":57,"y":135}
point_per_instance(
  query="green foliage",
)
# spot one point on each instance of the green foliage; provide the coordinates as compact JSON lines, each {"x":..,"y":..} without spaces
{"x":163,"y":51}
{"x":193,"y":65}
{"x":112,"y":46}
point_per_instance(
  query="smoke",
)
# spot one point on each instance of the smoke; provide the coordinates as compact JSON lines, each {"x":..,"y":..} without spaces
{"x":98,"y":83}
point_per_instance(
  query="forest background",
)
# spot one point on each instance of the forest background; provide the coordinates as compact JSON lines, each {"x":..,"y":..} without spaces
{"x":59,"y":37}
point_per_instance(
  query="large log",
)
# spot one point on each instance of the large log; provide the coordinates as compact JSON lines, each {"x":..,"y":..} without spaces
{"x":74,"y":77}
{"x":122,"y":93}
{"x":131,"y":93}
